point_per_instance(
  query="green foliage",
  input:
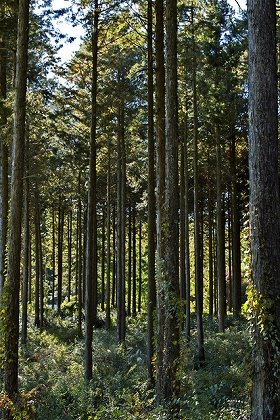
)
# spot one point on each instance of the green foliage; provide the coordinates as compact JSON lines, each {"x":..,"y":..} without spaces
{"x":52,"y":384}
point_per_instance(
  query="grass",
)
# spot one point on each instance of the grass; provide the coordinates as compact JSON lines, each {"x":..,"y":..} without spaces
{"x":52,"y":384}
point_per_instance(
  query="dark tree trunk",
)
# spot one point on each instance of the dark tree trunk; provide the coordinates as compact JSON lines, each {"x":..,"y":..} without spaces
{"x":151,"y":202}
{"x":108,"y":247}
{"x":170,"y":381}
{"x":220,"y":238}
{"x":197,"y":241}
{"x":160,"y":172}
{"x":114,"y":258}
{"x":103,"y":260}
{"x":210,"y":254}
{"x":53,"y":256}
{"x":79,"y":258}
{"x":26,"y":249}
{"x":69,"y":240}
{"x":236,"y":257}
{"x":39,"y":284}
{"x":264,"y":206}
{"x":14,"y":252}
{"x":91,"y":249}
{"x":3,"y":168}
{"x":134,"y":262}
{"x":182,"y":229}
{"x":129,"y":274}
{"x":140,"y":268}
{"x":121,"y":229}
{"x":60,"y":228}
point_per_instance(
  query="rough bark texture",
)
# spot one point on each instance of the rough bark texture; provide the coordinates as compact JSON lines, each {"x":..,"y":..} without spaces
{"x":151,"y":203}
{"x":264,"y":205}
{"x":160,"y":185}
{"x":121,"y":229}
{"x":220,"y":238}
{"x":171,"y":231}
{"x":197,"y":241}
{"x":108,"y":245}
{"x":3,"y":168}
{"x":13,"y":274}
{"x":26,"y":248}
{"x":236,"y":257}
{"x":91,"y":250}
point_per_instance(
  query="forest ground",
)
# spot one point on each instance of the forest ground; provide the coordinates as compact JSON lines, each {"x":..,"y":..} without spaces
{"x":52,"y":384}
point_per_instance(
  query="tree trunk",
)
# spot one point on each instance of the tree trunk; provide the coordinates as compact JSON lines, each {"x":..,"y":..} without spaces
{"x":160,"y":189}
{"x":91,"y":250}
{"x":3,"y":169}
{"x":171,"y":231}
{"x":26,"y":249}
{"x":264,"y":206}
{"x":236,"y":257}
{"x":220,"y":239}
{"x":53,"y":256}
{"x":121,"y":229}
{"x":69,"y":240}
{"x":103,"y":260}
{"x":60,"y":228}
{"x":140,"y":268}
{"x":197,"y":241}
{"x":134,"y":262}
{"x":14,"y":252}
{"x":151,"y":202}
{"x":129,"y":273}
{"x":108,"y":248}
{"x":114,"y":258}
{"x":79,"y":258}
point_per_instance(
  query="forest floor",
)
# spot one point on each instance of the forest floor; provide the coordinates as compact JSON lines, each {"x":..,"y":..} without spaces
{"x":52,"y":385}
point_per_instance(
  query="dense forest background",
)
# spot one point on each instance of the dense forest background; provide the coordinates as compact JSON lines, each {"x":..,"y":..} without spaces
{"x":126,"y":284}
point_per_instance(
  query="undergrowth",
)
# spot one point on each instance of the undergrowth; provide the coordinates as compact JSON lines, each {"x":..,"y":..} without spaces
{"x":52,"y":384}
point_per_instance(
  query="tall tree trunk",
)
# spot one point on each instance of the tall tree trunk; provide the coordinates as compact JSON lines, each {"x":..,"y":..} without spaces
{"x":140,"y":268}
{"x":26,"y":249}
{"x":53,"y":255}
{"x":197,"y":241}
{"x":134,"y":262}
{"x":14,"y":252}
{"x":3,"y":169}
{"x":103,"y":260}
{"x":171,"y":232}
{"x":114,"y":258}
{"x":108,"y":248}
{"x":236,"y":257}
{"x":129,"y":263}
{"x":79,"y":258}
{"x":187,"y":243}
{"x":60,"y":228}
{"x":160,"y":189}
{"x":264,"y":206}
{"x":220,"y":238}
{"x":151,"y":202}
{"x":69,"y":240}
{"x":121,"y":229}
{"x":91,"y":250}
{"x":39,"y":285}
{"x":210,"y":254}
{"x":182,"y":229}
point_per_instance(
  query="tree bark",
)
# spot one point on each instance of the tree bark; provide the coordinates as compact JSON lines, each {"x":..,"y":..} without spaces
{"x":91,"y":250}
{"x":14,"y":252}
{"x":171,"y":230}
{"x":3,"y":169}
{"x":160,"y":189}
{"x":26,"y":249}
{"x":264,"y":206}
{"x":151,"y":202}
{"x":197,"y":241}
{"x":220,"y":238}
